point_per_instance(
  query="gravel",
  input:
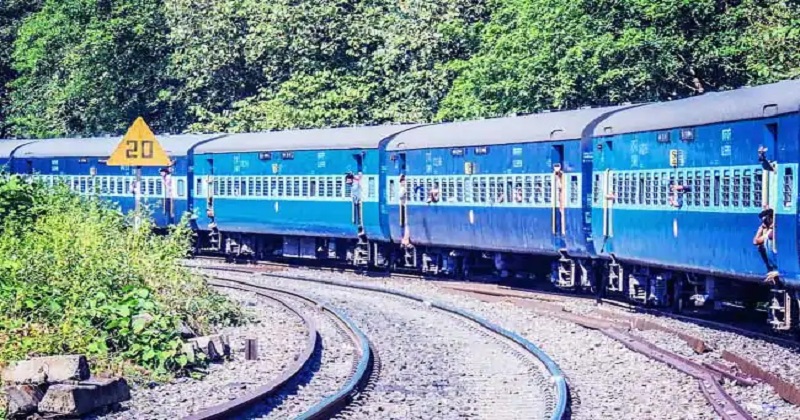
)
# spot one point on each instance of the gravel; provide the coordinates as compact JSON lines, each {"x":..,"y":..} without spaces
{"x":607,"y":380}
{"x":436,"y":365}
{"x":281,"y":337}
{"x":332,"y":365}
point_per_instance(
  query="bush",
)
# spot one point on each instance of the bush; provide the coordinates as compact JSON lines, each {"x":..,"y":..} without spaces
{"x":77,"y":277}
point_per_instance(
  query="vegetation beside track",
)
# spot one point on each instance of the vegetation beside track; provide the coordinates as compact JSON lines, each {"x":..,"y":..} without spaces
{"x":77,"y":277}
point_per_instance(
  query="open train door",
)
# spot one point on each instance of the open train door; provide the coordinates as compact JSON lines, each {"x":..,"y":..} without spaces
{"x":559,"y":197}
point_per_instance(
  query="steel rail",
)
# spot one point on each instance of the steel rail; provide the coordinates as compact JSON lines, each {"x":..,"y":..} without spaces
{"x":560,"y":386}
{"x":344,"y":395}
{"x":323,"y":409}
{"x":243,"y":402}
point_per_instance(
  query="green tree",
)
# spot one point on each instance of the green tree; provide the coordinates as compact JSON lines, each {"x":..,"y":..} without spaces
{"x":540,"y":54}
{"x":92,"y":66}
{"x":12,"y":13}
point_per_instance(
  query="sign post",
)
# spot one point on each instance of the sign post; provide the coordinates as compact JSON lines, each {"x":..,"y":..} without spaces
{"x":138,"y":148}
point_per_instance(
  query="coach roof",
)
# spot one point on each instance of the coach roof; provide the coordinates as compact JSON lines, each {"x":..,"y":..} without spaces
{"x":366,"y":137}
{"x":715,"y":107}
{"x":546,"y":126}
{"x":7,"y":147}
{"x":174,"y":145}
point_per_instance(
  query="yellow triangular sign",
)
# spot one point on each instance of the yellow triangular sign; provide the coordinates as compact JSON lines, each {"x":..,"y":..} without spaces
{"x":139,"y":147}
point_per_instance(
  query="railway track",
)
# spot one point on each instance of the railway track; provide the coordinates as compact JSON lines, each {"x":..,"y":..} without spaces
{"x":303,"y":390}
{"x":708,"y":374}
{"x":506,"y":374}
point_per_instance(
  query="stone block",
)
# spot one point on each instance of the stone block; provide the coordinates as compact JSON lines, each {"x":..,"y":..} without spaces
{"x":48,"y":369}
{"x":84,"y":397}
{"x":23,"y":399}
{"x":214,"y":346}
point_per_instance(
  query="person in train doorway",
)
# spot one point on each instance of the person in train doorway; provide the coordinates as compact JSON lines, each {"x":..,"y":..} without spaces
{"x":766,"y":230}
{"x":355,"y":194}
{"x":763,"y":241}
{"x":403,"y":198}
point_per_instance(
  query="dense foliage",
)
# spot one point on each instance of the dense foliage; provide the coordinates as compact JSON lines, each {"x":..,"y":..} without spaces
{"x":91,"y":66}
{"x":75,"y":277}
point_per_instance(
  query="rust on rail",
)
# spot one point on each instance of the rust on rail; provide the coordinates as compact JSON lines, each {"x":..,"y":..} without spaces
{"x":785,"y":389}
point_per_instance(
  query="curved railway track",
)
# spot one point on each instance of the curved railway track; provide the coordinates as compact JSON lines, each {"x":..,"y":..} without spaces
{"x":709,"y":376}
{"x":280,"y":387}
{"x":557,"y":399}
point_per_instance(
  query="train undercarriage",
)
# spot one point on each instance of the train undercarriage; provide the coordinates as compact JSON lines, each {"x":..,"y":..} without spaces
{"x":605,"y":278}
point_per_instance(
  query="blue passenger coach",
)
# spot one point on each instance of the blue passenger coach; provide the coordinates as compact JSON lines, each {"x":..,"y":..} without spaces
{"x":507,"y":185}
{"x":7,"y":149}
{"x":678,"y":188}
{"x":81,"y":163}
{"x":289,"y":192}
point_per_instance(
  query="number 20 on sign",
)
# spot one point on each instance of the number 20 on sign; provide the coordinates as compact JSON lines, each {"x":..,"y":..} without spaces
{"x":139,"y":147}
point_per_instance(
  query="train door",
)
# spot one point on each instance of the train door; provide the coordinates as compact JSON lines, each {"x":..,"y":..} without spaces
{"x":357,"y":190}
{"x":559,"y":196}
{"x":770,"y":179}
{"x":402,"y":190}
{"x":214,"y":236}
{"x":606,"y":187}
{"x":166,"y":190}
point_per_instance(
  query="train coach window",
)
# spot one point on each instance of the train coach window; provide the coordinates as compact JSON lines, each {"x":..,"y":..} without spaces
{"x":198,"y":187}
{"x":159,"y":187}
{"x":258,"y":186}
{"x":574,"y":189}
{"x":788,"y":187}
{"x":626,"y":189}
{"x":372,"y":190}
{"x":468,"y":188}
{"x":451,"y":185}
{"x":538,"y":189}
{"x":82,"y":188}
{"x":329,"y":192}
{"x":758,"y":184}
{"x":265,"y":186}
{"x":273,"y":186}
{"x":296,"y":182}
{"x":483,"y":190}
{"x":638,"y":188}
{"x":151,"y":187}
{"x":707,"y":188}
{"x":128,"y":185}
{"x":737,"y":187}
{"x":690,"y":195}
{"x":181,"y":188}
{"x":726,"y":188}
{"x":747,"y":179}
{"x":527,"y":190}
{"x":339,"y":186}
{"x":304,"y":190}
{"x":251,"y":186}
{"x":219,"y":187}
{"x":548,"y":189}
{"x":648,"y":189}
{"x":391,"y":192}
{"x":596,"y":189}
{"x":697,"y":188}
{"x":312,"y":186}
{"x":459,"y":190}
{"x":492,"y":190}
{"x":289,"y":187}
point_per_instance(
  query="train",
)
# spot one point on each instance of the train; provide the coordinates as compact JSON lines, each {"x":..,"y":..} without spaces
{"x":664,"y":203}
